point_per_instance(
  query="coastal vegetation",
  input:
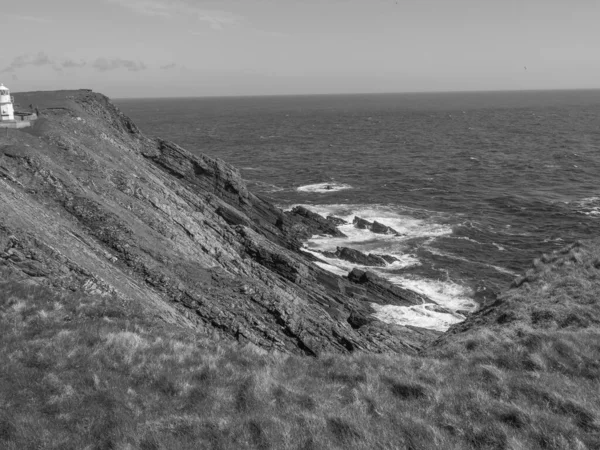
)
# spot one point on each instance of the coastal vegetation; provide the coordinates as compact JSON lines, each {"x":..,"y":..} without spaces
{"x":82,"y":371}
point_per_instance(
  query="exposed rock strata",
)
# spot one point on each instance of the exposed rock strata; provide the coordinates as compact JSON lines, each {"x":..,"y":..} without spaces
{"x":357,"y":257}
{"x":88,"y":203}
{"x":383,"y":292}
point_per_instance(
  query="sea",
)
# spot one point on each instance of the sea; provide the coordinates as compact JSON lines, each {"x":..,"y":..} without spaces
{"x":476,"y":184}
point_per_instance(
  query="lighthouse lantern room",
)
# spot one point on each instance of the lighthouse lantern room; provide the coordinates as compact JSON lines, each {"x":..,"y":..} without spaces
{"x":7,"y":112}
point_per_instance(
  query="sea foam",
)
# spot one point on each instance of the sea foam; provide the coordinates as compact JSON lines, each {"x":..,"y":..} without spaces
{"x":323,"y":188}
{"x":447,"y":297}
{"x":419,"y":316}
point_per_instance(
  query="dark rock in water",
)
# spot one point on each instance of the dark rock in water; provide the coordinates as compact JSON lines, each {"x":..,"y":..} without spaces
{"x":439,"y":309}
{"x":387,"y":258}
{"x":357,"y":257}
{"x":361,"y":224}
{"x":306,"y":223}
{"x":336,"y":220}
{"x":375,"y":227}
{"x":383,"y":292}
{"x":380,"y":228}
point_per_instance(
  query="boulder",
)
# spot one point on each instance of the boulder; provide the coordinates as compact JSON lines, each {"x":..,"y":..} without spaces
{"x":380,"y":228}
{"x":336,"y":220}
{"x":374,"y":227}
{"x":361,"y":224}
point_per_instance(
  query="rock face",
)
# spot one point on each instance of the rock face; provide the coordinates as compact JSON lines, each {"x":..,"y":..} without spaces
{"x":88,"y":203}
{"x":383,"y":292}
{"x":306,"y":223}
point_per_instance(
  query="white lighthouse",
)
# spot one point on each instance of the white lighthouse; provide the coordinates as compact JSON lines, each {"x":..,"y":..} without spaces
{"x":7,"y":111}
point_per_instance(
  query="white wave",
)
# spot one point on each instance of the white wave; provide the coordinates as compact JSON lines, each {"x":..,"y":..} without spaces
{"x":466,"y":238}
{"x":323,"y":188}
{"x":435,"y":251}
{"x":444,"y":293}
{"x":341,"y":266}
{"x":407,"y":226}
{"x":589,"y":206}
{"x":450,"y":296}
{"x":419,"y":316}
{"x":331,"y":268}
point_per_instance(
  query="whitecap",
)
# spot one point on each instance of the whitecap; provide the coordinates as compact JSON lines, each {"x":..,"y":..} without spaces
{"x":342,"y":267}
{"x":408,"y":227}
{"x":499,"y":247}
{"x":460,"y":258}
{"x":418,"y":315}
{"x":323,"y":188}
{"x":589,"y":206}
{"x":447,"y":294}
{"x":451,"y":297}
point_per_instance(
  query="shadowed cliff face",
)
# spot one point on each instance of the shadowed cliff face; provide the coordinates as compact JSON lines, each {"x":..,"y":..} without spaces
{"x":88,"y":203}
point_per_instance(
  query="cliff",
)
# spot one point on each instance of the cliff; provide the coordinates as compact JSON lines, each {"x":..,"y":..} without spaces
{"x":130,"y":269}
{"x":89,"y":204}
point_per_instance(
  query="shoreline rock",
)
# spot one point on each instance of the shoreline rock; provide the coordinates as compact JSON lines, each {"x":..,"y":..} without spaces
{"x":374,"y":227}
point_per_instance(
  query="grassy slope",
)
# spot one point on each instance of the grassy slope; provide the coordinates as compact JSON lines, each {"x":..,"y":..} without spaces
{"x":82,"y":372}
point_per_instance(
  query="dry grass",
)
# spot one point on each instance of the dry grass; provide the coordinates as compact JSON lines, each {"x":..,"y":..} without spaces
{"x":85,"y":373}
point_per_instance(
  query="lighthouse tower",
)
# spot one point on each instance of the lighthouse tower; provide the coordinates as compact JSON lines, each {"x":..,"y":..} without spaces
{"x":7,"y":112}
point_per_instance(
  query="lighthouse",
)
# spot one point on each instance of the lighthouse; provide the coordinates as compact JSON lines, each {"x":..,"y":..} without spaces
{"x":7,"y":111}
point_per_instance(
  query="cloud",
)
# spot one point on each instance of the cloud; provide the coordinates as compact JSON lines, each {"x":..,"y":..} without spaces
{"x":269,"y":33}
{"x":28,"y":18}
{"x":216,"y":19}
{"x":168,"y":66}
{"x":104,"y":65}
{"x":69,"y":64}
{"x":39,"y":60}
{"x":100,"y":64}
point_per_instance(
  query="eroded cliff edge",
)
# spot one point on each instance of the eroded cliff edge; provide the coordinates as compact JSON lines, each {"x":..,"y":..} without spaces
{"x":89,"y":203}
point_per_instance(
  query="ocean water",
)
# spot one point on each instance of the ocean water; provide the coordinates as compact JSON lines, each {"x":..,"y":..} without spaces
{"x":475,"y":184}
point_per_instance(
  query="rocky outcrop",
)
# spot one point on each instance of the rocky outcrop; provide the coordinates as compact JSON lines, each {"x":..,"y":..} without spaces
{"x":374,"y":227}
{"x":356,"y":257}
{"x":306,"y":223}
{"x":88,"y":203}
{"x":383,"y":292}
{"x":337,"y":221}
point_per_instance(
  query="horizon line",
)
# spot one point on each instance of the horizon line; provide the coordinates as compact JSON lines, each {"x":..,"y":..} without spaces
{"x":474,"y":91}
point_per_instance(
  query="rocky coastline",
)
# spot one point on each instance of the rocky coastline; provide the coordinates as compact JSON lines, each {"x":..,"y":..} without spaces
{"x":90,"y":204}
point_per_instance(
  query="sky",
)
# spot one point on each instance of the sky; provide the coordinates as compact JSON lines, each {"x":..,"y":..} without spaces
{"x":173,"y":48}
